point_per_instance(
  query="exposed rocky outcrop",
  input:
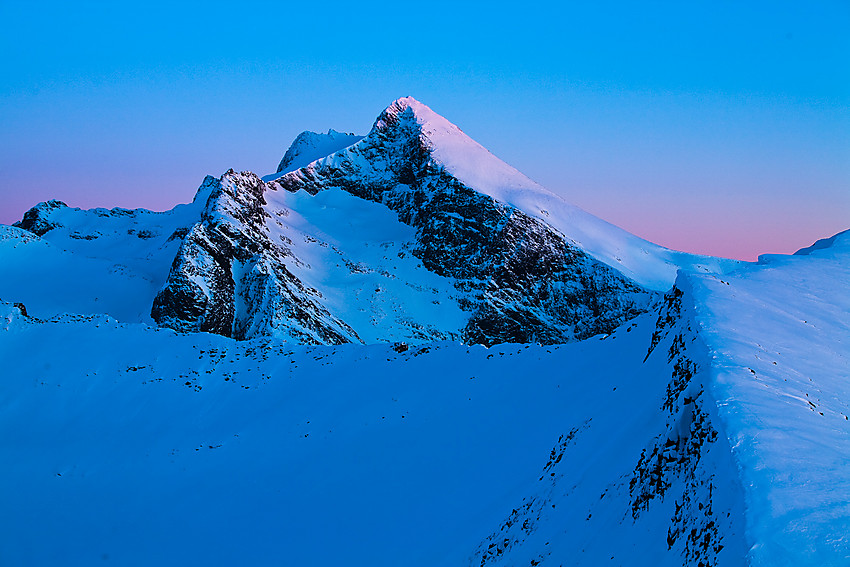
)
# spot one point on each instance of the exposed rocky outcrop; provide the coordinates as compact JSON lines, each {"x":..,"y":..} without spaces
{"x":37,"y":219}
{"x":229,"y":278}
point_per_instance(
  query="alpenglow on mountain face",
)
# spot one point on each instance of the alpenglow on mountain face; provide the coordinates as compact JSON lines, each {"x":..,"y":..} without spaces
{"x":555,"y":391}
{"x":412,"y":233}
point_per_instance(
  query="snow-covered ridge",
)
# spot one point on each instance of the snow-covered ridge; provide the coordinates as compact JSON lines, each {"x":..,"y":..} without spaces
{"x":230,"y":278}
{"x":839,"y":239}
{"x":310,"y":146}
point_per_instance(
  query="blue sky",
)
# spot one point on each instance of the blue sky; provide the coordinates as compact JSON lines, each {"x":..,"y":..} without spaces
{"x":714,"y":127}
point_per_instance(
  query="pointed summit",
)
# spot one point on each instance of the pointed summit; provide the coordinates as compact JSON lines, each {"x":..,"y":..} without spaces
{"x":411,"y":108}
{"x":462,"y":157}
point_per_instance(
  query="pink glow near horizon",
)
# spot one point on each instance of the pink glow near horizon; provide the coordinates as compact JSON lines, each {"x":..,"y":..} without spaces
{"x":723,"y":131}
{"x":699,"y":225}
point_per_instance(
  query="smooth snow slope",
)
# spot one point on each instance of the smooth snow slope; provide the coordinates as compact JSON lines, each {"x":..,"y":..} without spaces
{"x":143,"y":447}
{"x":51,"y":279}
{"x":111,"y":261}
{"x":358,"y":253}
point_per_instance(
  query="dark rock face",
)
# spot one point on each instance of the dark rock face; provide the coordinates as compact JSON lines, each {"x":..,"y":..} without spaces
{"x":22,"y":308}
{"x":526,"y":282}
{"x":228,"y":277}
{"x":37,"y":219}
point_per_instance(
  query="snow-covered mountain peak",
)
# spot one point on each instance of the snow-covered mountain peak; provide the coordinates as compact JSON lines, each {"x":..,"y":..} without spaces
{"x":410,"y":143}
{"x":411,"y":107}
{"x":405,"y":104}
{"x":463,"y":157}
{"x":310,"y":146}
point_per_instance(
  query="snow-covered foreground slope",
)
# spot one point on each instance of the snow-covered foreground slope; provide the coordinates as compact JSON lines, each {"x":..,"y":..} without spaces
{"x":143,"y":446}
{"x":674,"y":441}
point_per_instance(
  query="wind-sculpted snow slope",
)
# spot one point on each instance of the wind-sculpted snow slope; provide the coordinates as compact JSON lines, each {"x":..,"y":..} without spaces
{"x":779,"y":337}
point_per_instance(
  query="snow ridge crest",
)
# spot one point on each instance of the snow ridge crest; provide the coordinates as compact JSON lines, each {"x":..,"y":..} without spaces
{"x":309,"y":146}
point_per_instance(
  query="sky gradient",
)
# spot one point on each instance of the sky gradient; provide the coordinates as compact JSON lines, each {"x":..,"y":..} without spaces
{"x":714,"y":127}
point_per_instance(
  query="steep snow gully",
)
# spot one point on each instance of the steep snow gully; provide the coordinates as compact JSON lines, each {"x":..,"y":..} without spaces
{"x":398,"y":350}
